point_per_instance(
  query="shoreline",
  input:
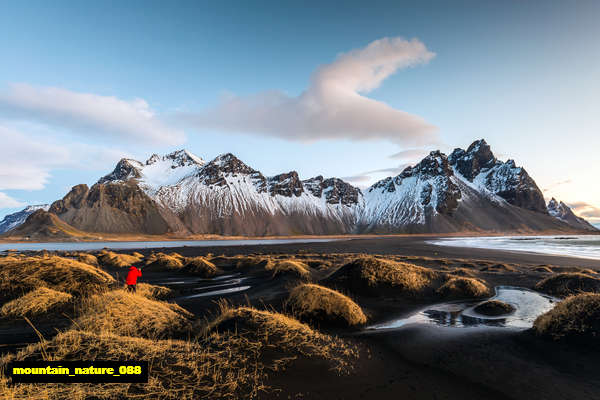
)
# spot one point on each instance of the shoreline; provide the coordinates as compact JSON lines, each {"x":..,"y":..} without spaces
{"x":98,"y":237}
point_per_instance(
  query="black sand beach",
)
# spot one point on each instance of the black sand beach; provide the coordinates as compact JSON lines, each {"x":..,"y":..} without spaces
{"x":415,"y":361}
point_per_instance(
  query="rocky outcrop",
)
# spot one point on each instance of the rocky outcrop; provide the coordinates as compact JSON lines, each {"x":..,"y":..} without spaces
{"x":45,"y":225}
{"x":564,"y":213}
{"x":479,"y":166}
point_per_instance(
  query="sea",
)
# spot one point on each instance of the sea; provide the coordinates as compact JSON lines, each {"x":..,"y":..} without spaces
{"x":581,"y":246}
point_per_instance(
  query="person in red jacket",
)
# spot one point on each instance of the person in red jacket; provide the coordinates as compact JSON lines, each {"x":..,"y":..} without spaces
{"x":132,"y":276}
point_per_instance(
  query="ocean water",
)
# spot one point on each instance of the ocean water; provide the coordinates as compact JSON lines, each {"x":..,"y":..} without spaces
{"x":582,"y":246}
{"x":85,"y":246}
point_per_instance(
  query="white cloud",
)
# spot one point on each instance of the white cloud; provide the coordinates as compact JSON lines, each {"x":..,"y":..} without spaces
{"x":333,"y":106}
{"x":8,"y":202}
{"x":87,"y":114}
{"x":411,"y":155}
{"x":28,"y":160}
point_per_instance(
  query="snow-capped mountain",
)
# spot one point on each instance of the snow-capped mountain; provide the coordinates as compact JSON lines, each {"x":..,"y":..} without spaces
{"x":564,"y":213}
{"x":15,"y":219}
{"x":470,"y":190}
{"x":181,"y":193}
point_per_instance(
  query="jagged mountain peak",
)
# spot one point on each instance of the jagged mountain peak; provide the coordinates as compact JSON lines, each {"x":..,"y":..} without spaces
{"x":229,"y":164}
{"x":125,"y":170}
{"x":563,"y":212}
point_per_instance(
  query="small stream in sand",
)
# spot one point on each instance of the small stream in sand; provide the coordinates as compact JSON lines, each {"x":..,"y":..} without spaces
{"x":528,"y":306}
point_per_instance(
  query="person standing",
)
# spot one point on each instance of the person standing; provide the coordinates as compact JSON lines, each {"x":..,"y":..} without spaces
{"x":132,"y":276}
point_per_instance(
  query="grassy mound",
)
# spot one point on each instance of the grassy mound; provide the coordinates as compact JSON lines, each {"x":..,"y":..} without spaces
{"x":88,"y":259}
{"x":164,"y":261}
{"x":153,"y":292}
{"x":371,"y":275}
{"x":281,"y":335}
{"x":289,"y":267}
{"x":219,"y":365}
{"x":112,"y":259}
{"x":568,"y":283}
{"x":253,"y":262}
{"x":575,"y":318}
{"x":35,"y":303}
{"x":498,"y":268}
{"x":201,"y":266}
{"x":494,"y":308}
{"x":314,"y":302}
{"x":463,"y":287}
{"x":123,"y":313}
{"x":21,"y":275}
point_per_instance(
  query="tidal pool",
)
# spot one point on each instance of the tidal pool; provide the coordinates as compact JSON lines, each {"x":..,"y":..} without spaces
{"x":528,"y":305}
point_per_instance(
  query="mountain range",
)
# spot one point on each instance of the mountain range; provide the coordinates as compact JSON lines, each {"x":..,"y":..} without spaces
{"x":179,"y":193}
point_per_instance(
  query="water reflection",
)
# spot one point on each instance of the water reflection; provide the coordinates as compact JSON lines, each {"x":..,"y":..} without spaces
{"x":528,"y":306}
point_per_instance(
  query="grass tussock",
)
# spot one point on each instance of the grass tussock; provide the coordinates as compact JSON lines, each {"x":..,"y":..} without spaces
{"x":372,"y":274}
{"x":153,"y":292}
{"x":164,"y":261}
{"x":566,"y":284}
{"x":289,"y":267}
{"x":88,"y":259}
{"x":460,"y":287}
{"x":35,"y":303}
{"x":21,"y":275}
{"x":575,"y":318}
{"x":122,"y":313}
{"x":318,"y":303}
{"x":281,"y":335}
{"x":117,"y":260}
{"x":494,"y":308}
{"x":201,"y":266}
{"x":253,"y":262}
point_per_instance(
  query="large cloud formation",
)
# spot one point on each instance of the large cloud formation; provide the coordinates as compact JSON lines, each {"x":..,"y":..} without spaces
{"x":87,"y":114}
{"x":333,"y":106}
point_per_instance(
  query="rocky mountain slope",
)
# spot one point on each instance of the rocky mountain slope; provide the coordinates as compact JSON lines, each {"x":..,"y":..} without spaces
{"x":15,"y":219}
{"x":41,"y":225}
{"x":180,"y":193}
{"x":564,"y":213}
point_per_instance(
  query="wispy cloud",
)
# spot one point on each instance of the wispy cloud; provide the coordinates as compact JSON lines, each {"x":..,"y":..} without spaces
{"x":557,"y":184}
{"x":8,"y":202}
{"x":333,"y":106}
{"x":409,"y":155}
{"x":87,"y":114}
{"x":586,"y":210}
{"x":369,"y":176}
{"x":28,"y":164}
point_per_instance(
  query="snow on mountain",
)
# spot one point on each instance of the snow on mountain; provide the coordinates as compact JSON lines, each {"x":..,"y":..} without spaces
{"x":564,"y":213}
{"x":479,"y":168}
{"x":206,"y":194}
{"x":13,"y":220}
{"x":414,"y":195}
{"x":470,"y":190}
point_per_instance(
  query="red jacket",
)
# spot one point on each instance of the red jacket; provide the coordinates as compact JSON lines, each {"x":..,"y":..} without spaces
{"x":132,"y":276}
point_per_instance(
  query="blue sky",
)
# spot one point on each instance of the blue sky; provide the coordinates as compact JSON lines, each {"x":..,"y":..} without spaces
{"x":85,"y":83}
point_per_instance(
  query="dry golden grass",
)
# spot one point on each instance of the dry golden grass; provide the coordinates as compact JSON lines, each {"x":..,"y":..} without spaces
{"x":201,"y":266}
{"x":374,"y":273}
{"x":35,"y":303}
{"x":137,"y":255}
{"x":123,"y":313}
{"x":154,"y":292}
{"x":20,"y":275}
{"x":568,"y":283}
{"x":314,"y":302}
{"x":164,"y":261}
{"x":230,"y":360}
{"x":117,"y":260}
{"x":280,"y":333}
{"x":575,"y":318}
{"x":252,"y":262}
{"x":87,"y":259}
{"x":291,"y":267}
{"x":462,"y":287}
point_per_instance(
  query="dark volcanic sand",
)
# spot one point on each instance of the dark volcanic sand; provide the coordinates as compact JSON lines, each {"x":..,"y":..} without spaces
{"x":416,"y":361}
